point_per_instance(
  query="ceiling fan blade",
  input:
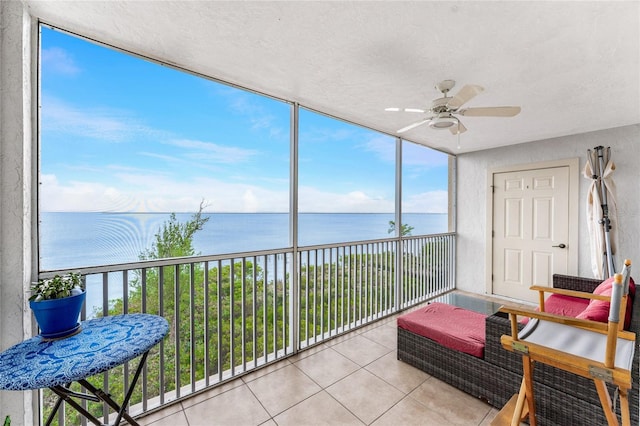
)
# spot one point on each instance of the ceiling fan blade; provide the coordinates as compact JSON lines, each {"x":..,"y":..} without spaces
{"x":395,"y":109}
{"x":414,"y":125}
{"x":465,"y":94}
{"x":505,"y":111}
{"x":455,"y":130}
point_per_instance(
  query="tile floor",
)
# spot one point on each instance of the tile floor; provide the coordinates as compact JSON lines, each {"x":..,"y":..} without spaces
{"x":354,"y":379}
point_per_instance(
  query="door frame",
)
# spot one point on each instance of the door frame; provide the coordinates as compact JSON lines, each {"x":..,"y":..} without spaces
{"x":574,"y":200}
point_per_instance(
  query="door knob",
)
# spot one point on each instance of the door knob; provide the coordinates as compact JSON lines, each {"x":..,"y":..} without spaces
{"x":560,"y":245}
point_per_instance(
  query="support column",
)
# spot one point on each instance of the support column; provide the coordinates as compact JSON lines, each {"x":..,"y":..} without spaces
{"x":16,"y":124}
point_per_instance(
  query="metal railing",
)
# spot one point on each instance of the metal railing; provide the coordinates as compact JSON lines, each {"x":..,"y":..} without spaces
{"x":231,"y":314}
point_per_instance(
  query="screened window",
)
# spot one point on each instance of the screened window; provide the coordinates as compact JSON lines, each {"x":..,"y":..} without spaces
{"x":425,"y":195}
{"x":125,"y":142}
{"x":346,"y":181}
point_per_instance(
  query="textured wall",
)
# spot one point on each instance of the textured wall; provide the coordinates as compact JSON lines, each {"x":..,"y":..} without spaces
{"x":15,"y":190}
{"x":472,"y":193}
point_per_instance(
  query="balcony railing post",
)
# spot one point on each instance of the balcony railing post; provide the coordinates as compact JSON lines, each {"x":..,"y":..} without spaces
{"x":399,"y":287}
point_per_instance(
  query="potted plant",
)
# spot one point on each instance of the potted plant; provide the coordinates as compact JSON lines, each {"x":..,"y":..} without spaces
{"x":56,"y":303}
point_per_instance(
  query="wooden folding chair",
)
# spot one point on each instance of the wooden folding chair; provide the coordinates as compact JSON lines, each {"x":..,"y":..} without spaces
{"x":599,"y":351}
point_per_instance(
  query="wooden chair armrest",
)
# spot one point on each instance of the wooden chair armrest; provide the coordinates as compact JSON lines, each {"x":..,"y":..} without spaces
{"x":600,"y":327}
{"x":572,"y":293}
{"x":576,"y":322}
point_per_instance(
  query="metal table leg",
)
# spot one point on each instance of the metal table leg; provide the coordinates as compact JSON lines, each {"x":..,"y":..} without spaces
{"x":97,"y":395}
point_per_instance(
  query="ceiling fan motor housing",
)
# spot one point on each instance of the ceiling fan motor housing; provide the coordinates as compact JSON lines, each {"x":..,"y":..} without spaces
{"x":439,"y":105}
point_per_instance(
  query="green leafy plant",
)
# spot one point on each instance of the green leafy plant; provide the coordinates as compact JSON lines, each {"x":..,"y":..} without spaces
{"x":405,"y":229}
{"x":58,"y":287}
{"x":7,"y":421}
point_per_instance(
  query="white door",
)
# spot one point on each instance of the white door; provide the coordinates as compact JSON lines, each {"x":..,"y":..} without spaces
{"x":530,"y":230}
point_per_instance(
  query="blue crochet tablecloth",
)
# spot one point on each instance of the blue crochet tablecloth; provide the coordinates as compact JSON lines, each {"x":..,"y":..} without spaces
{"x":102,"y":344}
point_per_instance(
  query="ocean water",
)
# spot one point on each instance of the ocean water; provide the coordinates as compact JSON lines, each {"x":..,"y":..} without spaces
{"x":74,"y":240}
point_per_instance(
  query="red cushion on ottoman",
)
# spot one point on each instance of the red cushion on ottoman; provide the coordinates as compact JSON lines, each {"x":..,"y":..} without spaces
{"x":450,"y":326}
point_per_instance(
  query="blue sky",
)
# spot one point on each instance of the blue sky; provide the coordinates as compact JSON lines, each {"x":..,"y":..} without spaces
{"x":119,"y":133}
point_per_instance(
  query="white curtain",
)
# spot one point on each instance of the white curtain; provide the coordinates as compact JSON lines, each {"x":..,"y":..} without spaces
{"x":595,"y":215}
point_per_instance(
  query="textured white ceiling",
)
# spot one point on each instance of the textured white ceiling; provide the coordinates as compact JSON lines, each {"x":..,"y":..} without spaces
{"x":572,"y":66}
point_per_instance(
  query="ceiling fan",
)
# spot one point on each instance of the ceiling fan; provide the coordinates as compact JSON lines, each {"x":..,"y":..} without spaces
{"x":443,"y":111}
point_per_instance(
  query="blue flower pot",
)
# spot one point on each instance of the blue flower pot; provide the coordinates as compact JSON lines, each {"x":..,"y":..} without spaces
{"x":58,"y":317}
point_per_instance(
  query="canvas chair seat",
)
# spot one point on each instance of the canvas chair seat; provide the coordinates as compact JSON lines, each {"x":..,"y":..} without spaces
{"x":576,"y":341}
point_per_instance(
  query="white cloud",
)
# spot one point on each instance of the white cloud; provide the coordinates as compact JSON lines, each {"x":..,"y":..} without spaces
{"x":58,"y":60}
{"x":383,"y":146}
{"x":77,"y":196}
{"x":313,"y":200}
{"x":259,"y":117}
{"x":159,"y":193}
{"x":418,"y":155}
{"x":98,"y":123}
{"x":250,"y":200}
{"x":324,"y":134}
{"x":134,"y":191}
{"x":427,"y":202}
{"x":208,"y":151}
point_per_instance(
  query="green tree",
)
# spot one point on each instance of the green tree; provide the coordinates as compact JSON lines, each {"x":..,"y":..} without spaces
{"x":175,"y":239}
{"x":405,"y":230}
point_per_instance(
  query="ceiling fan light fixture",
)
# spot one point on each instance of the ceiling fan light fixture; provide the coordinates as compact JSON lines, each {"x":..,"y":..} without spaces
{"x":443,"y":122}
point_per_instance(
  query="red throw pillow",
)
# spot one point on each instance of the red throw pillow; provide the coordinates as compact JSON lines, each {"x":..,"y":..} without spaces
{"x":598,"y":310}
{"x":606,"y":286}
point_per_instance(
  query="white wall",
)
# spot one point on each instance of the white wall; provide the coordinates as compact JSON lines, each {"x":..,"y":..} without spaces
{"x":15,"y":194}
{"x":472,"y":196}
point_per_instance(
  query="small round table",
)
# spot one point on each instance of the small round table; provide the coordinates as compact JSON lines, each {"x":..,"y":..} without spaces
{"x":102,"y":344}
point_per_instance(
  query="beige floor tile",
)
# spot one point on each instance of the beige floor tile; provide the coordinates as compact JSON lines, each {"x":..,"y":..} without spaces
{"x":365,"y":395}
{"x":265,"y":370}
{"x":319,"y":409}
{"x":391,"y":322}
{"x":308,"y":352}
{"x":176,"y":419}
{"x":155,"y":417}
{"x":410,"y":412}
{"x":342,"y":338}
{"x":457,"y":407}
{"x":361,"y":350}
{"x":237,"y":406}
{"x":327,"y":367}
{"x":397,"y":373}
{"x":283,"y":388}
{"x":368,"y":327}
{"x":386,"y":336}
{"x":210,"y":393}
